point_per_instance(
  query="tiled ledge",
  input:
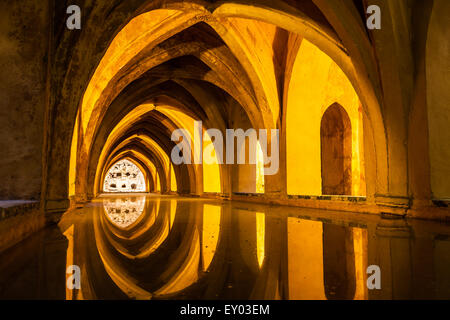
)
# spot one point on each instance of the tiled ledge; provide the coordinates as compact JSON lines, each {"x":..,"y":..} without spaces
{"x":325,"y":202}
{"x":331,"y":198}
{"x":243,"y":194}
{"x":442,"y":203}
{"x":12,"y":208}
{"x":304,"y":197}
{"x":18,"y":220}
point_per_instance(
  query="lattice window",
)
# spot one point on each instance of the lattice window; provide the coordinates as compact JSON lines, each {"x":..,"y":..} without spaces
{"x":124,"y":176}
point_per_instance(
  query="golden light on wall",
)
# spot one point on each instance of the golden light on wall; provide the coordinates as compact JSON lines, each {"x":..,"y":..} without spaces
{"x":305,"y":252}
{"x":158,"y":183}
{"x":259,"y":169}
{"x":130,"y":40}
{"x":317,"y":83}
{"x":73,"y":158}
{"x":124,"y":176}
{"x":211,"y":171}
{"x":173,"y":179}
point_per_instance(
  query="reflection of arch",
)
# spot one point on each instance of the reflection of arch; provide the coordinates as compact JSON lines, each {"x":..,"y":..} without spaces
{"x":124,"y":212}
{"x":124,"y":176}
{"x":336,"y":151}
{"x":166,"y":256}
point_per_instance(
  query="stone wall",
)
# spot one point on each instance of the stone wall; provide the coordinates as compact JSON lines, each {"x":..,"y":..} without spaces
{"x":23,"y":62}
{"x":18,"y":221}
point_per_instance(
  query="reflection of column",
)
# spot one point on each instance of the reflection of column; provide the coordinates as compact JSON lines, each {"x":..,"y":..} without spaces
{"x":248,"y":238}
{"x":219,"y":269}
{"x":431,"y":261}
{"x":241,"y":255}
{"x":184,"y":263}
{"x":210,"y":233}
{"x":95,"y":281}
{"x":284,"y":260}
{"x":35,"y":268}
{"x":422,"y":250}
{"x":441,"y":259}
{"x":390,"y":249}
{"x":69,"y":258}
{"x":269,"y":244}
{"x":360,"y":251}
{"x":53,"y":261}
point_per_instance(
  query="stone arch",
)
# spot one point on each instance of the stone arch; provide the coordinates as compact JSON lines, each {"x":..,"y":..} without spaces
{"x":290,"y":18}
{"x":315,"y":82}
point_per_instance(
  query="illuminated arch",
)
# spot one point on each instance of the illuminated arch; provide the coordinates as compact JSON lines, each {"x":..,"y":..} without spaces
{"x":359,"y":67}
{"x":157,"y":164}
{"x":316,"y":83}
{"x":124,"y":176}
{"x":177,"y":19}
{"x":143,"y":163}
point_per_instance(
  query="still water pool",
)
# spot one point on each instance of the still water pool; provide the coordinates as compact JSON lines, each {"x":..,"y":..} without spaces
{"x":167,"y":247}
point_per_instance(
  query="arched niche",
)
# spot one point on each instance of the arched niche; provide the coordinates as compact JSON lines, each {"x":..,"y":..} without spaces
{"x":336,"y":151}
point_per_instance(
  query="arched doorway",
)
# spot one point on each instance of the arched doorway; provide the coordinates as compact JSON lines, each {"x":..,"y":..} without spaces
{"x":336,"y":151}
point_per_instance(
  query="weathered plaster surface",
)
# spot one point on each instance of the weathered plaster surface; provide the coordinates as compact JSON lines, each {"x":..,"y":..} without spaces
{"x":23,"y":49}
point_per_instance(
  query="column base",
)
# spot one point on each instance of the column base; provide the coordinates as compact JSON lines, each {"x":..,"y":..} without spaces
{"x":54,"y":209}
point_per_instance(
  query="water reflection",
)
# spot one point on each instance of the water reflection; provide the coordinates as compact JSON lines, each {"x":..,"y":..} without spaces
{"x":124,"y":212}
{"x":332,"y":258}
{"x":173,"y":248}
